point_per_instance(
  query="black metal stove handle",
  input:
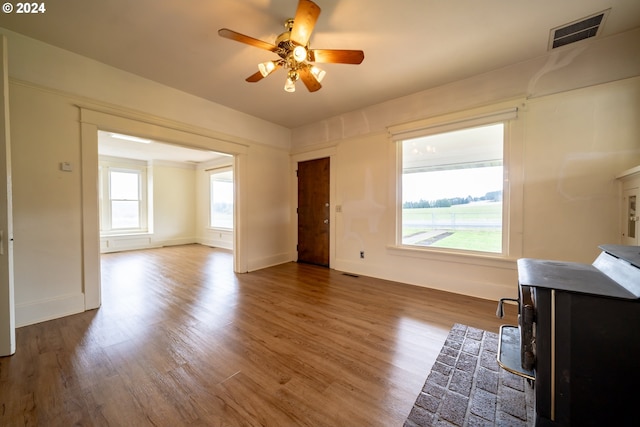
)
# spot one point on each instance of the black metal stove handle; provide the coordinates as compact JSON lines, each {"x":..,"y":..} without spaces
{"x":500,"y":310}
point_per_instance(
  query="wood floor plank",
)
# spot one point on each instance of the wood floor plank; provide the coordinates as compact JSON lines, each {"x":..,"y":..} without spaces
{"x":182,"y":340}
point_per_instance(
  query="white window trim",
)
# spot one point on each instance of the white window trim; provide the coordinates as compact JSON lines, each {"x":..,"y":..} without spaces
{"x":506,"y":112}
{"x":441,"y":125}
{"x":126,"y":165}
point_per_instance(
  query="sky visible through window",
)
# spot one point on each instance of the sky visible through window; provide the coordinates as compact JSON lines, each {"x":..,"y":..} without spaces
{"x":446,"y":184}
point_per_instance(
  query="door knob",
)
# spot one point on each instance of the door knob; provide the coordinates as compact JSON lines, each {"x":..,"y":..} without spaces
{"x":326,"y":221}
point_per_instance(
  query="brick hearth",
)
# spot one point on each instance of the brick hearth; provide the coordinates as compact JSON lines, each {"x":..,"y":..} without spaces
{"x":466,"y":387}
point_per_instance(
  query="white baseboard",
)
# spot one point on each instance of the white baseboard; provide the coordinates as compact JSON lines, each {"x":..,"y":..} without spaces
{"x":175,"y":242}
{"x":49,"y":309}
{"x":215,"y":243}
{"x":261,"y":263}
{"x":490,"y":286}
{"x":132,"y":243}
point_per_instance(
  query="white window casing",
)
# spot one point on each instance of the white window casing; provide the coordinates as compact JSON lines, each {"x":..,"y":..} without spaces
{"x":505,"y":113}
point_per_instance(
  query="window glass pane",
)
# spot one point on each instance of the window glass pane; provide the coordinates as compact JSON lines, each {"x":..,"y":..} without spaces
{"x":124,"y":185}
{"x":222,"y":200}
{"x":125,"y":214}
{"x":452,"y":190}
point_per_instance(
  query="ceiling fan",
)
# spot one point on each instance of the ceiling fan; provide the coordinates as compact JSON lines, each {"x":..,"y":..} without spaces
{"x":292,"y":46}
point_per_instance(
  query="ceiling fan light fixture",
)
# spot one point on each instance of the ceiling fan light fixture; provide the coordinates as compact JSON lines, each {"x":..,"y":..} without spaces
{"x":318,"y":73}
{"x":266,"y":68}
{"x":296,"y":56}
{"x":300,"y":53}
{"x":290,"y":85}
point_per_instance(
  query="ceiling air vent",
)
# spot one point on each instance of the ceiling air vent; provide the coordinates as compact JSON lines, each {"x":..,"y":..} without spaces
{"x":584,"y":28}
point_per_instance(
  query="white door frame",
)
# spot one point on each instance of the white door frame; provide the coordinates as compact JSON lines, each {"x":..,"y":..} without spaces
{"x":7,"y":300}
{"x":93,"y":119}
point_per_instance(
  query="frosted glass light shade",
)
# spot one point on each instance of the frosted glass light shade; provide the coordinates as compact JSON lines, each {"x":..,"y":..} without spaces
{"x":266,"y":68}
{"x":318,"y":73}
{"x":290,"y":85}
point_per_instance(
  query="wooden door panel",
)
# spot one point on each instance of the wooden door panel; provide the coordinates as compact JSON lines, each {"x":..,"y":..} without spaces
{"x":313,"y":211}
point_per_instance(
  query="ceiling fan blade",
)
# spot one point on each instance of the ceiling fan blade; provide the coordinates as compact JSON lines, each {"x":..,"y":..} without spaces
{"x":233,"y":35}
{"x":256,"y":77}
{"x":336,"y":56}
{"x":304,"y":21}
{"x":309,"y":81}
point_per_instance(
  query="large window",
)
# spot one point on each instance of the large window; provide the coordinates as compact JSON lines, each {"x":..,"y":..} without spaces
{"x":221,"y":192}
{"x":452,"y":189}
{"x":123,"y":201}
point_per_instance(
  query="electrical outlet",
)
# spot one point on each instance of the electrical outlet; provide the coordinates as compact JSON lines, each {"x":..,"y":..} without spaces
{"x":361,"y":254}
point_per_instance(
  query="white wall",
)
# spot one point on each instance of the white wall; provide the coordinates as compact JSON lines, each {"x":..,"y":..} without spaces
{"x":173,"y":210}
{"x":58,"y":101}
{"x":572,"y":67}
{"x":577,"y":128}
{"x":174,"y":204}
{"x":576,"y":144}
{"x":273,"y":224}
{"x":46,"y":205}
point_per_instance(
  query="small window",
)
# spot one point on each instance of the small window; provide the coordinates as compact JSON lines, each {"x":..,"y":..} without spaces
{"x":124,"y":190}
{"x":221,"y":196}
{"x":452,"y":189}
{"x":123,"y":198}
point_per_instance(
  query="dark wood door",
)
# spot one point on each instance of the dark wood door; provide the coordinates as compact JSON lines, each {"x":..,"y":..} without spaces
{"x":313,"y":211}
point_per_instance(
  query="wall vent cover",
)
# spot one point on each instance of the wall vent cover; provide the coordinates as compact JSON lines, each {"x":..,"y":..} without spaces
{"x":584,"y":28}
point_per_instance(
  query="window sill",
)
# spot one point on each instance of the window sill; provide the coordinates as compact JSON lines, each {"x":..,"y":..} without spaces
{"x":485,"y":260}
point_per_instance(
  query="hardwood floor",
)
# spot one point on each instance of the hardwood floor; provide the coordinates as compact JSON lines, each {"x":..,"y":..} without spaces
{"x":181,"y":340}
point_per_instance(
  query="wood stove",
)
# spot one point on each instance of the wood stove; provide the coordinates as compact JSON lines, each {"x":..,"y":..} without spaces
{"x":578,"y":338}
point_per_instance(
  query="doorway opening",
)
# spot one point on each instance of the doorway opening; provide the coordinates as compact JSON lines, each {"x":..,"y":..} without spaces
{"x":172,"y":134}
{"x":154,"y":194}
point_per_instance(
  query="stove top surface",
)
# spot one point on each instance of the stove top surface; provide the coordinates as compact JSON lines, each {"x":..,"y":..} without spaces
{"x":631,"y":254}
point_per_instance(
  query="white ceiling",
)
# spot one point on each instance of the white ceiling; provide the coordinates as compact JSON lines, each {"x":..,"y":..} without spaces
{"x":108,"y":145}
{"x":409,"y":45}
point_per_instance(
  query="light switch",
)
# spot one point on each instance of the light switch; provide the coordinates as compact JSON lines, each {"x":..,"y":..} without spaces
{"x":66,"y":167}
